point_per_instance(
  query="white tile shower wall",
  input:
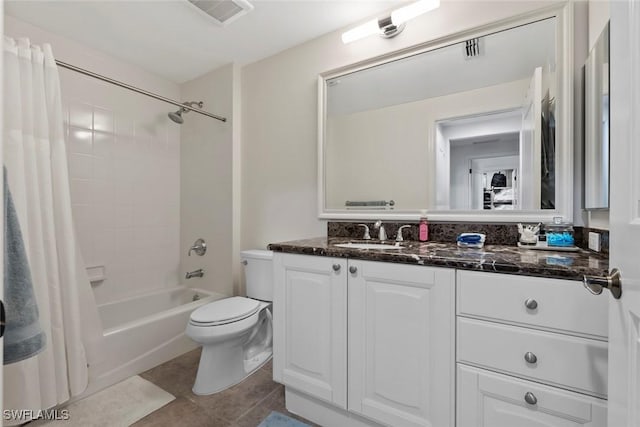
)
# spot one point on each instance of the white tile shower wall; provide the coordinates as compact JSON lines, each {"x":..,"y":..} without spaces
{"x":124,"y":170}
{"x":124,"y":166}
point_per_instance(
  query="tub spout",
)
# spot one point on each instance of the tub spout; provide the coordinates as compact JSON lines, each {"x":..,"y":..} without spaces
{"x":195,"y":273}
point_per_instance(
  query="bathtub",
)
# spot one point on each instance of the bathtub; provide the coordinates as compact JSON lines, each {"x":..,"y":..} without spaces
{"x":144,"y":331}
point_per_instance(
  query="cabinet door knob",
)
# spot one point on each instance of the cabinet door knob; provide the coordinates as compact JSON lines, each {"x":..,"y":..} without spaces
{"x":336,"y":267}
{"x":530,"y":357}
{"x":353,"y":269}
{"x":531,"y":304}
{"x":530,"y":398}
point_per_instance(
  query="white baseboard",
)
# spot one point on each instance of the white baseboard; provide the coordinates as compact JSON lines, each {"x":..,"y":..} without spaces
{"x":323,"y":413}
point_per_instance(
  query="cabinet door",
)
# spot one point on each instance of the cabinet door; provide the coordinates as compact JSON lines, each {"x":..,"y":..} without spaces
{"x":310,"y":325}
{"x":486,"y":399}
{"x":401,"y":347}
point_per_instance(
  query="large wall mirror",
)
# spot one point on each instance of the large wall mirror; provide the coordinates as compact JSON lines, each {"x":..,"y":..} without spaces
{"x":596,"y":147}
{"x":479,"y":124}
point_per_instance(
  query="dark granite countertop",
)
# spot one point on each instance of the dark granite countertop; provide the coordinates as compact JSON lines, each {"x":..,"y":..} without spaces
{"x":492,"y":258}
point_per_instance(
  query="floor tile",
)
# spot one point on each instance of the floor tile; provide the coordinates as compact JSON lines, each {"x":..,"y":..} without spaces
{"x":268,"y":366}
{"x":243,"y":405}
{"x":234,"y":402}
{"x":181,"y":412}
{"x":174,"y":376}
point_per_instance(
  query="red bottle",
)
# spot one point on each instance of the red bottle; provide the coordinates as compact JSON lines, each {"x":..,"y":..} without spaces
{"x":423,"y":234}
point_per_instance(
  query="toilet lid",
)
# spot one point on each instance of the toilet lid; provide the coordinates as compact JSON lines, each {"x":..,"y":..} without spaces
{"x":226,"y":310}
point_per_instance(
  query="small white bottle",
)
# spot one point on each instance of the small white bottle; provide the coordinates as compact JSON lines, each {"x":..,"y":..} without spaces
{"x":423,"y":228}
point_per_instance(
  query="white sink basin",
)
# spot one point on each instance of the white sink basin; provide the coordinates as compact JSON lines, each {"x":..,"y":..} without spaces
{"x":367,"y":246}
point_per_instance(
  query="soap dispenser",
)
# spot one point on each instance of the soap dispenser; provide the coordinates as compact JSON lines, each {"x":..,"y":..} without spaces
{"x":423,"y":228}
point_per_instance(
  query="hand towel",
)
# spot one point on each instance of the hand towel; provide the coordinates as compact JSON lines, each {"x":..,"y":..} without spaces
{"x":23,"y":336}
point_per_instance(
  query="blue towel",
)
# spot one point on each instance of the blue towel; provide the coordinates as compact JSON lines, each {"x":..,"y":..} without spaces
{"x":276,"y":419}
{"x":23,"y":336}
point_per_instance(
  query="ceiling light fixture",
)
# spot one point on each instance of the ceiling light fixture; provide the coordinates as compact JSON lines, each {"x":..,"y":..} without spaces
{"x":390,"y":26}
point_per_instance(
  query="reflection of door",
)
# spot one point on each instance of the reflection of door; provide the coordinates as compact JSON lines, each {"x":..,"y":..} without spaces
{"x":531,"y":144}
{"x":482,"y":171}
{"x":624,"y":314}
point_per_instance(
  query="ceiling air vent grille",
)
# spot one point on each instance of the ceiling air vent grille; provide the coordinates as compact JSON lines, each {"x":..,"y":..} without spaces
{"x":472,"y":48}
{"x":223,"y":12}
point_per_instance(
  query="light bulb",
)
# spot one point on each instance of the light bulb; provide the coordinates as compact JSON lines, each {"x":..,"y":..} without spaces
{"x":406,"y":13}
{"x":361,"y":31}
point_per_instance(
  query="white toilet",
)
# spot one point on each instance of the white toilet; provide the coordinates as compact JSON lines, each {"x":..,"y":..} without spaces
{"x":236,"y":332}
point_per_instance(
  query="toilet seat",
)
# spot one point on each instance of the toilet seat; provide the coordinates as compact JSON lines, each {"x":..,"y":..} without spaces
{"x":224,"y":311}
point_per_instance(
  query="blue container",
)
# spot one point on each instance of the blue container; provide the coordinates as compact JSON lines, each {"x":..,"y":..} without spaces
{"x":560,"y":235}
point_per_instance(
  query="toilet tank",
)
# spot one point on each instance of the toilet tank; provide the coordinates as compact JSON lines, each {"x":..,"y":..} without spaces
{"x":258,"y":273}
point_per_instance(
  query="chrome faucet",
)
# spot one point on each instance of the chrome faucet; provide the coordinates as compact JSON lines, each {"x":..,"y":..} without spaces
{"x":366,"y":235}
{"x":382,"y":234}
{"x":199,"y":247}
{"x":195,"y":273}
{"x":399,"y":235}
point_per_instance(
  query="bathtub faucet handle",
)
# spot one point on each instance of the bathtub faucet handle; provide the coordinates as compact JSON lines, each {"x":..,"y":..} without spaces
{"x":195,"y":273}
{"x":199,"y":247}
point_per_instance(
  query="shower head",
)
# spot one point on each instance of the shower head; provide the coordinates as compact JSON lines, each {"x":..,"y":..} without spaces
{"x":177,"y":115}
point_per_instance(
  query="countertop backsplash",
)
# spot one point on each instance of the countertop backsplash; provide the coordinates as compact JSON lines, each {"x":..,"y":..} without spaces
{"x":441,"y":232}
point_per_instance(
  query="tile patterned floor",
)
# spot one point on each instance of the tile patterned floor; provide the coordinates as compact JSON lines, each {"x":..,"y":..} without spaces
{"x":243,"y":405}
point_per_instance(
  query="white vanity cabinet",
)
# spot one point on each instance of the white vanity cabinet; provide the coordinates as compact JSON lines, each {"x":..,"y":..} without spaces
{"x":401,"y":347}
{"x":364,"y":343}
{"x":395,"y":322}
{"x":530,"y":352}
{"x":310,"y":325}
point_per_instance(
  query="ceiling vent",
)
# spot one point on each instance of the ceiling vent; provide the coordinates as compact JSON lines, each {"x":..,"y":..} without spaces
{"x":472,"y":48}
{"x":223,"y":12}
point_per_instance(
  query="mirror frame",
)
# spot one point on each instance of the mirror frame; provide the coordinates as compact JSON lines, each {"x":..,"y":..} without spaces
{"x":564,"y":14}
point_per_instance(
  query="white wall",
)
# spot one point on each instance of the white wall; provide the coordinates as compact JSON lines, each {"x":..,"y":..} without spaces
{"x":591,"y":16}
{"x":206,"y":184}
{"x":279,"y":109}
{"x":124,"y":166}
{"x":599,"y":15}
{"x":399,"y":142}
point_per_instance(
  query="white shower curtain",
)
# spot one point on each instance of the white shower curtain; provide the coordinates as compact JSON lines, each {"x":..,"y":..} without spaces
{"x":35,"y":157}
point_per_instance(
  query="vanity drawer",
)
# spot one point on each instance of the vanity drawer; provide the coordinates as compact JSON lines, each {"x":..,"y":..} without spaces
{"x":487,"y":399}
{"x":560,"y":305}
{"x":561,"y":360}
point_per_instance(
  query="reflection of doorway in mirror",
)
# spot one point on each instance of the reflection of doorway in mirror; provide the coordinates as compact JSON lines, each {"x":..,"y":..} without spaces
{"x":479,"y":147}
{"x":494,"y":183}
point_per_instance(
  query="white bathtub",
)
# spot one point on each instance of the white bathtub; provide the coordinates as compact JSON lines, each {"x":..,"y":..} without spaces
{"x":144,"y":331}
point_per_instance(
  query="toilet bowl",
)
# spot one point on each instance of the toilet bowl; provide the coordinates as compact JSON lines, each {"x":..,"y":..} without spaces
{"x":236,"y":332}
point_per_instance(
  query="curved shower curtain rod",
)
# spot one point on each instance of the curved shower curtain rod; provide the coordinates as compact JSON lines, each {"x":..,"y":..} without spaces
{"x":136,"y":89}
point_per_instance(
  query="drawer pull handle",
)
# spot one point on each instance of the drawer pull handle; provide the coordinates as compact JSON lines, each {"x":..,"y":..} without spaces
{"x":530,"y":398}
{"x":336,"y":267}
{"x":353,"y":269}
{"x":530,"y":357}
{"x":531,"y":304}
